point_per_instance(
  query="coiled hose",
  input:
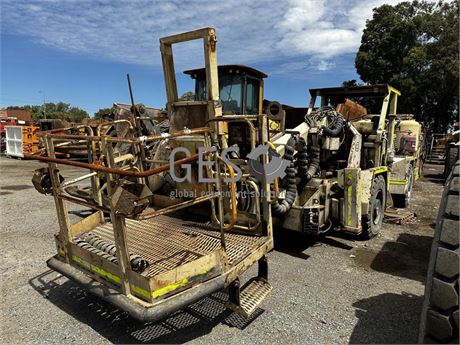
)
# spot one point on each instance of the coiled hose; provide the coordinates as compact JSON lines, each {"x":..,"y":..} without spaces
{"x":336,"y":128}
{"x":302,"y":158}
{"x":313,"y":165}
{"x":94,"y":244}
{"x":308,"y":159}
{"x":283,"y":206}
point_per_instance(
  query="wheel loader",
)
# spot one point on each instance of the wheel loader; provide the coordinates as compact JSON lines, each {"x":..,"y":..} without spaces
{"x":182,"y":213}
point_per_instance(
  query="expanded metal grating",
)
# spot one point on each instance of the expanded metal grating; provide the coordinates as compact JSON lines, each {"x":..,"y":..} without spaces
{"x":167,"y":242}
{"x":252,"y":295}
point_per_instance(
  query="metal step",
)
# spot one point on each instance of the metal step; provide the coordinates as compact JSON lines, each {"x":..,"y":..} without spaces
{"x":251,"y":296}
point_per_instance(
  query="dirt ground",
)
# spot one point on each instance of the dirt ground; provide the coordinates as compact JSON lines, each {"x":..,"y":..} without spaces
{"x":335,"y":289}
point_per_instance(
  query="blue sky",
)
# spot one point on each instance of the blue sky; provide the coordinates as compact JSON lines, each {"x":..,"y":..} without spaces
{"x":80,"y":51}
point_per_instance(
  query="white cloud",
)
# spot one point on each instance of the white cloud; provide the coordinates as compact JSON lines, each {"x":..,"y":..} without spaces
{"x":272,"y":31}
{"x":324,"y":65}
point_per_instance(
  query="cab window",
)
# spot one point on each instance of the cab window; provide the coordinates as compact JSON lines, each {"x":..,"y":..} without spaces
{"x":252,"y":96}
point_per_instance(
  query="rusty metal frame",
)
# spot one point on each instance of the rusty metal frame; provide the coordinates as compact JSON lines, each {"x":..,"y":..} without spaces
{"x":103,"y":164}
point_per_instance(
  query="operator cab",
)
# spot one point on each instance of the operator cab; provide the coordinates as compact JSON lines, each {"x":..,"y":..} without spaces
{"x":241,"y":93}
{"x":240,"y":88}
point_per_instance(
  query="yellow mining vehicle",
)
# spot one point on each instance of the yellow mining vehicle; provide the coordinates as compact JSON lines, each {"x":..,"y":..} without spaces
{"x":344,"y":166}
{"x":166,"y":230}
{"x":182,"y":213}
{"x":348,"y":166}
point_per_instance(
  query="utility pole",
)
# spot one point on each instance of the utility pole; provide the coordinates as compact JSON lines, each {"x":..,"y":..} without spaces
{"x":44,"y":102}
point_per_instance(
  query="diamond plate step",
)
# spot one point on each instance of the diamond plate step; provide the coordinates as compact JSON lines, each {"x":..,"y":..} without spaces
{"x":252,"y":295}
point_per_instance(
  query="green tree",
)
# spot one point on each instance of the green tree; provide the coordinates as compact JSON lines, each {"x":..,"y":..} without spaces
{"x":414,"y":47}
{"x":102,"y":113}
{"x":187,"y":96}
{"x":58,"y":110}
{"x":351,"y":82}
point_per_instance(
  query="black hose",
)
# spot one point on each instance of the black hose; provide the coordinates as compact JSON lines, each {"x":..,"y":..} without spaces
{"x":308,"y":159}
{"x":283,"y":206}
{"x":313,"y":166}
{"x":336,"y":127}
{"x":302,"y":157}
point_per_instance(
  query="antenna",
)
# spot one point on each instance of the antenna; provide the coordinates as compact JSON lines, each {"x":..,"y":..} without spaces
{"x":131,"y":95}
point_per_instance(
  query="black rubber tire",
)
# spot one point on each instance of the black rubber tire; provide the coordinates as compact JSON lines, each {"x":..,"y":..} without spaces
{"x":452,"y":156}
{"x":372,"y":221}
{"x":439,"y":319}
{"x":403,"y":200}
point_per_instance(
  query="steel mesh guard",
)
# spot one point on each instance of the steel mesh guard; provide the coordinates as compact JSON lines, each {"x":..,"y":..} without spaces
{"x":167,"y":242}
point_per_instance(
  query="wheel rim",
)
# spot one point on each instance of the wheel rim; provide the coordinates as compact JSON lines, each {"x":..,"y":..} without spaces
{"x":377,"y":212}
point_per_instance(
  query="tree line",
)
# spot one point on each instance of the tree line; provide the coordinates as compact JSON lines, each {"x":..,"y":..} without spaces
{"x":61,"y":110}
{"x":414,"y":46}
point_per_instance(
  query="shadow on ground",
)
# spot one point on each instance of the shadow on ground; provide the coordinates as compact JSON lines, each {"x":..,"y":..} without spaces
{"x":117,"y":326}
{"x":435,"y":176}
{"x":400,"y":315}
{"x":406,"y":257}
{"x":17,"y":187}
{"x":295,"y":243}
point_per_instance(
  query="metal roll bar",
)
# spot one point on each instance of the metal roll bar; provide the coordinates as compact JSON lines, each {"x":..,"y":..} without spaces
{"x":116,"y":171}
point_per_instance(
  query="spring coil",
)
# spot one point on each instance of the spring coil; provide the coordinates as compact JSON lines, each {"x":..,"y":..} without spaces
{"x":94,"y":244}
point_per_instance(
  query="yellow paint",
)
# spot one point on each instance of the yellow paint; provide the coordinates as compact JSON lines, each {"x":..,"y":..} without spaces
{"x":349,"y":194}
{"x":169,"y":288}
{"x":392,"y":89}
{"x":103,"y":273}
{"x":397,"y":182}
{"x":380,"y":170}
{"x":144,"y":293}
{"x":174,"y":286}
{"x":140,"y":291}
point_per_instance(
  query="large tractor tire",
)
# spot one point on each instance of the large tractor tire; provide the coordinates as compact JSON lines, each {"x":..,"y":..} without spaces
{"x":402,"y":200}
{"x":439,"y":321}
{"x":372,"y":221}
{"x":452,"y":155}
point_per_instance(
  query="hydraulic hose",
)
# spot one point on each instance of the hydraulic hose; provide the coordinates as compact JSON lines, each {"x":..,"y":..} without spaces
{"x":336,"y":128}
{"x":308,"y":158}
{"x":283,"y":206}
{"x":302,"y":158}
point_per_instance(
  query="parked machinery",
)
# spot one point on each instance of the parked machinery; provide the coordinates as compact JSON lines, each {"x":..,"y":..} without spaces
{"x":174,"y":232}
{"x":345,"y":165}
{"x":347,"y":168}
{"x":192,"y":208}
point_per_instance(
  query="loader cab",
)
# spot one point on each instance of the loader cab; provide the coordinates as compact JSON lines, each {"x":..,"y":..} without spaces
{"x":240,"y":93}
{"x":240,"y":88}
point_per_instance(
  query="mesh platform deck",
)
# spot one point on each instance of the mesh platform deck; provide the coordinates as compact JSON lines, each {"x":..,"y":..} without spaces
{"x":167,"y":242}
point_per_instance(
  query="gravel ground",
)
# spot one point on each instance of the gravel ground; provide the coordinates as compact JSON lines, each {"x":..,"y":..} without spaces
{"x":335,"y":289}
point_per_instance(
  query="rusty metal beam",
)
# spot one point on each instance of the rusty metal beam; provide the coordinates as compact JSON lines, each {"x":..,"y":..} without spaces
{"x":117,"y":171}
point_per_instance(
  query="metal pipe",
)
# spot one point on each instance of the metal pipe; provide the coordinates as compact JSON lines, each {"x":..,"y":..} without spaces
{"x":199,"y":130}
{"x":176,"y":207}
{"x":82,"y":202}
{"x":111,"y":123}
{"x":234,"y":213}
{"x":275,"y":182}
{"x":117,"y":171}
{"x":220,"y":207}
{"x":42,"y":150}
{"x":138,"y":310}
{"x":78,"y":179}
{"x":58,"y":130}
